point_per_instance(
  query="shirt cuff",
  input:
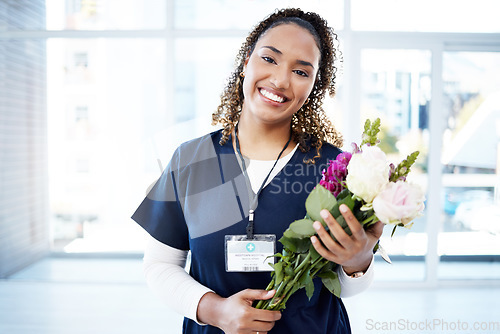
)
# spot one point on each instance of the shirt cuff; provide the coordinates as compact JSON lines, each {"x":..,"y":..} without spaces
{"x":352,"y":286}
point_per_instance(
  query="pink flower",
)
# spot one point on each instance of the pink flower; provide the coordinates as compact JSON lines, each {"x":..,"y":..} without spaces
{"x":399,"y":202}
{"x":334,"y":176}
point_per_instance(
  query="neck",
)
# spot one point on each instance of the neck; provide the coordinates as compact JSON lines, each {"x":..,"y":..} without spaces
{"x":263,"y":141}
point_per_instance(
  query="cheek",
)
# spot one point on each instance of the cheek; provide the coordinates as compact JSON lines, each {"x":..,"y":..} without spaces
{"x":252,"y":75}
{"x":248,"y":83}
{"x":304,"y":90}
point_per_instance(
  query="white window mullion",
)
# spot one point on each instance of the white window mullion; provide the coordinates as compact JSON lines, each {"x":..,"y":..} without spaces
{"x":436,"y":127}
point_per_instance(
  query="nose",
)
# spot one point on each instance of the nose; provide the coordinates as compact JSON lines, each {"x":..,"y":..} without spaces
{"x":280,"y":78}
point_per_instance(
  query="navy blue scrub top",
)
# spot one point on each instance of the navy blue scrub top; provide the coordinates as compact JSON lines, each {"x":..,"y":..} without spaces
{"x":202,"y":196}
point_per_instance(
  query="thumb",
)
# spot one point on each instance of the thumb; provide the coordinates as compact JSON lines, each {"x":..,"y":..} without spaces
{"x":250,"y":294}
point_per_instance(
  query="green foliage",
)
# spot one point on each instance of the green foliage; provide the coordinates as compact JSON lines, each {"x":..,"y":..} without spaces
{"x":403,"y":169}
{"x":345,"y":197}
{"x":295,"y":244}
{"x":371,"y":131}
{"x":302,"y":228}
{"x":330,"y":280}
{"x":320,"y":198}
{"x":300,"y":263}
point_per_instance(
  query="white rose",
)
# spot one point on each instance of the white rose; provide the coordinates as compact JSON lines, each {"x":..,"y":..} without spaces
{"x":367,"y":173}
{"x":399,"y":202}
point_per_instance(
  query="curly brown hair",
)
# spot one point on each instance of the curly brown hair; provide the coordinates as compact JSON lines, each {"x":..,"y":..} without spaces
{"x":310,"y":125}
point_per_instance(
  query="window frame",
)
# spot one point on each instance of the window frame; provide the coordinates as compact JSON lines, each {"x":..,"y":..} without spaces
{"x":354,"y":42}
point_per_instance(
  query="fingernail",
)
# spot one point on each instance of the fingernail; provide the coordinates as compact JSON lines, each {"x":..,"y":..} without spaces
{"x":343,"y":208}
{"x":324,"y":214}
{"x":316,"y":225}
{"x":313,"y":240}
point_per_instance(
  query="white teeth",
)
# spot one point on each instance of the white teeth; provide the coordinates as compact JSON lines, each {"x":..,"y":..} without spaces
{"x":272,"y":96}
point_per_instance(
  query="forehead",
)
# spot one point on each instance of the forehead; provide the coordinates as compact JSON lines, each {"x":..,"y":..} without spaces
{"x":291,"y":40}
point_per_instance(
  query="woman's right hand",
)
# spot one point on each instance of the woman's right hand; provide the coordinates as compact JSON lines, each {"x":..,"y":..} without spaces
{"x":235,"y":314}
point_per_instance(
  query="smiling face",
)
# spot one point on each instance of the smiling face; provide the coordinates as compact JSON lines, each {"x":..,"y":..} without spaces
{"x":279,"y":74}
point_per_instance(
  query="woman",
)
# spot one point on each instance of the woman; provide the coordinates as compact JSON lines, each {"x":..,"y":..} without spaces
{"x":249,"y":181}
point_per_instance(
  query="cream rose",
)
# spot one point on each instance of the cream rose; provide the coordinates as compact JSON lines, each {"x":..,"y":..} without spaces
{"x":367,"y":173}
{"x":399,"y":202}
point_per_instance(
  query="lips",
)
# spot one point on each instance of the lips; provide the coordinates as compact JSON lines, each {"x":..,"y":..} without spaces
{"x":278,"y":98}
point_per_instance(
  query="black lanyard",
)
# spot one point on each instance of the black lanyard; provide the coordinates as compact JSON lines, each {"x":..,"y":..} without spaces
{"x":254,"y":200}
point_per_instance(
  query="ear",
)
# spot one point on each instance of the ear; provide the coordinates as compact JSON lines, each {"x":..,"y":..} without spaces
{"x":246,"y":63}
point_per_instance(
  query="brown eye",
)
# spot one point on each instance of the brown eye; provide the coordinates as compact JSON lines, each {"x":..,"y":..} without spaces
{"x":301,"y":73}
{"x":269,"y":60}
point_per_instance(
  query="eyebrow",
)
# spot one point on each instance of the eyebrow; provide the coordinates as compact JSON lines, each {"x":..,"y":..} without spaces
{"x":302,"y":62}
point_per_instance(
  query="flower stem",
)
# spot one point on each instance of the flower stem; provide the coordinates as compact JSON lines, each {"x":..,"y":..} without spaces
{"x":370,"y":220}
{"x":287,"y":287}
{"x":304,"y":262}
{"x":277,"y":296}
{"x":301,"y":269}
{"x":260,"y":304}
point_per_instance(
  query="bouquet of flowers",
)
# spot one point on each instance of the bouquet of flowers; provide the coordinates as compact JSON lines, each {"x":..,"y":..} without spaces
{"x":374,"y":190}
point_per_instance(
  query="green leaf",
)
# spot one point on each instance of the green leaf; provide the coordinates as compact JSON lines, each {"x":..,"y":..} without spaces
{"x":393,"y":230}
{"x":314,"y":254}
{"x":295,"y":245}
{"x":331,"y":281}
{"x":303,"y":280}
{"x":341,"y":221}
{"x":303,"y":245}
{"x":289,"y":270}
{"x":362,"y":215}
{"x":349,"y":201}
{"x":320,"y":198}
{"x":335,"y":211}
{"x":343,"y":194}
{"x":291,"y":234}
{"x":309,"y":286}
{"x":295,"y":288}
{"x":278,"y":270}
{"x":289,"y":243}
{"x":303,"y":228}
{"x":345,"y":197}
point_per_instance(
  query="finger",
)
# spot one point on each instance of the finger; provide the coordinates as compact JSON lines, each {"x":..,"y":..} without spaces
{"x":262,"y":327}
{"x":375,"y":231}
{"x":355,"y":226}
{"x":261,"y":315}
{"x":330,"y":244}
{"x":253,"y":294}
{"x":322,"y":250}
{"x":266,"y":317}
{"x":343,"y":239}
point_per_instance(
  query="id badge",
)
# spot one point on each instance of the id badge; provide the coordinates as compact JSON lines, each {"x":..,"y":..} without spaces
{"x":250,"y":255}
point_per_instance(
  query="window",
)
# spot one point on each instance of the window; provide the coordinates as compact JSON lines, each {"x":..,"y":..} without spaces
{"x":105,"y":14}
{"x":112,"y":106}
{"x":470,"y":159}
{"x":227,"y":14}
{"x":426,"y":16}
{"x":127,"y":81}
{"x":396,"y":89}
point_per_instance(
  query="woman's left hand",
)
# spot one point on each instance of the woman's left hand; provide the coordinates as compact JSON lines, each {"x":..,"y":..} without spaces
{"x":353,"y":252}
